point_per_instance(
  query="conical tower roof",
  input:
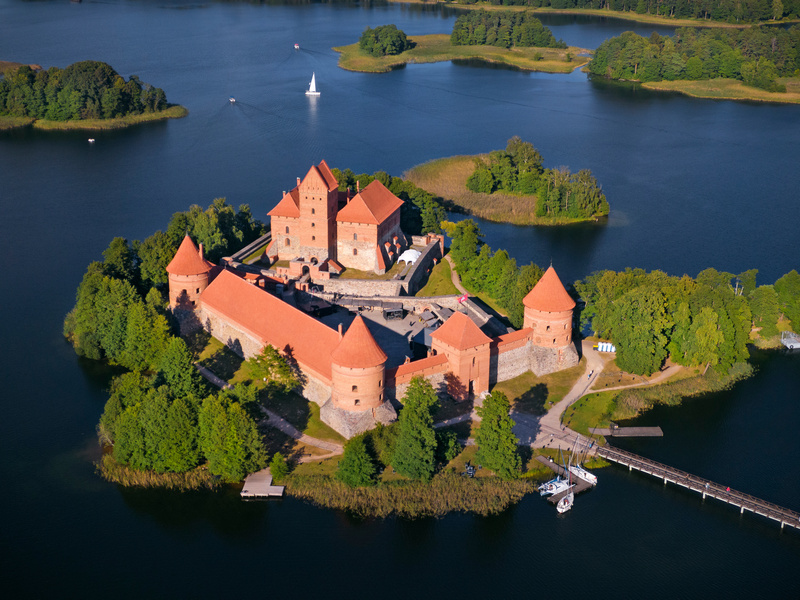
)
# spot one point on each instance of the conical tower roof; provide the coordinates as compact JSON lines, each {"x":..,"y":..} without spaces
{"x":460,"y":332}
{"x":358,"y":349}
{"x":549,"y":295}
{"x":187,"y":260}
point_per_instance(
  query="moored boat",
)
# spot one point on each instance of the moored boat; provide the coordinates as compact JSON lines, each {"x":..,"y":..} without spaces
{"x":565,"y":503}
{"x":579,"y":471}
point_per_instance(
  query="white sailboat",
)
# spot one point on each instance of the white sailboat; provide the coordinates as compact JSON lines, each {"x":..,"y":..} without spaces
{"x":554,"y":486}
{"x":312,"y":87}
{"x":582,"y":473}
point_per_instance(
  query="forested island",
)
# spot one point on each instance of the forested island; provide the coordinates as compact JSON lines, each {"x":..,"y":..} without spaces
{"x":85,"y":95}
{"x":512,"y":186}
{"x":513,"y":38}
{"x":672,"y":12}
{"x":758,"y":57}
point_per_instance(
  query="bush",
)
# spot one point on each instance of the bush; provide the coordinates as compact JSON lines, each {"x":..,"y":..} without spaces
{"x":384,"y":40}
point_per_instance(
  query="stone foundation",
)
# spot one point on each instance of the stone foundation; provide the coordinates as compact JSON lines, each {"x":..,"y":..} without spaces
{"x":350,"y":424}
{"x":550,"y":360}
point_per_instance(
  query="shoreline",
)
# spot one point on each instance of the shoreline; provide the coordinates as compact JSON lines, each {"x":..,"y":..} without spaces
{"x":9,"y":123}
{"x":436,"y":47}
{"x":722,"y":89}
{"x":607,"y":13}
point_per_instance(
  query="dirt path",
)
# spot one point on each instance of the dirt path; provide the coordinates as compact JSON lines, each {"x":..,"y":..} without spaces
{"x":454,"y":276}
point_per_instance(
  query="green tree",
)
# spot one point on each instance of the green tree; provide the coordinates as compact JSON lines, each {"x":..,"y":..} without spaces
{"x":765,"y":308}
{"x":641,"y":325}
{"x":788,"y":290}
{"x":278,"y":467}
{"x":356,"y":468}
{"x":176,"y":370}
{"x":181,"y":448}
{"x":415,"y":449}
{"x":272,"y":368}
{"x":497,"y":444}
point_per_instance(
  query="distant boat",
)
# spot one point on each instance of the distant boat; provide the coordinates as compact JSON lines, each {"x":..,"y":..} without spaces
{"x":91,"y":140}
{"x":232,"y":100}
{"x":312,"y":87}
{"x":297,"y":46}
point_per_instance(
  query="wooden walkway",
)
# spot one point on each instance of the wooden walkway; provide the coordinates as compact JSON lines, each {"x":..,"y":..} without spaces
{"x":259,"y":485}
{"x":579,"y":486}
{"x":628,"y":431}
{"x":702,"y":486}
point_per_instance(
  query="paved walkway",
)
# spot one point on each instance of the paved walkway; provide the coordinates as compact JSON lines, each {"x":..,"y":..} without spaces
{"x":273,"y":420}
{"x":454,"y":276}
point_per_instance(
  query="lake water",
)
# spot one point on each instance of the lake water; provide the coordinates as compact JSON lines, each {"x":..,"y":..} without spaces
{"x":691,"y":183}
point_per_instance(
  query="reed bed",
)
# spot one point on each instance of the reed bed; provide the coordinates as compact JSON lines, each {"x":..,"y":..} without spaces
{"x":447,"y":492}
{"x":196,"y":479}
{"x":729,"y":89}
{"x":173,"y":112}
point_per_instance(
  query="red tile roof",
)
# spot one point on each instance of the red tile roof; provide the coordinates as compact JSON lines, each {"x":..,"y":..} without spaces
{"x":417,"y":366}
{"x":289,"y":206}
{"x":358,"y":349}
{"x":374,"y":204}
{"x":272,"y":321}
{"x":327,"y":176}
{"x":187,"y":260}
{"x":460,"y":332}
{"x":549,"y":295}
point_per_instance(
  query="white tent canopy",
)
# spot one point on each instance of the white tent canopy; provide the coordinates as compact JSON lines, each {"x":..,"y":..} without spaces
{"x":409,"y":256}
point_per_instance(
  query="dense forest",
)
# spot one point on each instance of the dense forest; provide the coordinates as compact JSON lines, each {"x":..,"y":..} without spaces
{"x":494,"y":273}
{"x":421,"y":212}
{"x":756,"y":55}
{"x":559,"y":192}
{"x":384,"y":40}
{"x":705,"y":321}
{"x":84,"y":90}
{"x":503,"y":29}
{"x":161,"y":416}
{"x":730,"y":11}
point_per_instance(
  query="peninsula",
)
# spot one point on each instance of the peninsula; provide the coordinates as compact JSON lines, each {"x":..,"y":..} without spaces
{"x":88,"y":95}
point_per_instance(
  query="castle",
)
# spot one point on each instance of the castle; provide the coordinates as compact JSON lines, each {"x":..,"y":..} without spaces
{"x":344,"y":372}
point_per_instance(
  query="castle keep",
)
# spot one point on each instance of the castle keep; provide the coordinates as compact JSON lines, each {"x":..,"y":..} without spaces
{"x":345,"y":372}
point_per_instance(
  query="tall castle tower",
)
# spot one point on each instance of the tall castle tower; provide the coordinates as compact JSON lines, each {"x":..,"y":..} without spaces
{"x":467,"y":350}
{"x":548,"y":312}
{"x":188,"y":275}
{"x":357,"y":370}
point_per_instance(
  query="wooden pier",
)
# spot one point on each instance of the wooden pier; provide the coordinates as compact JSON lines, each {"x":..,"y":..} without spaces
{"x":628,"y":431}
{"x":702,"y":486}
{"x":259,"y":485}
{"x":579,"y":486}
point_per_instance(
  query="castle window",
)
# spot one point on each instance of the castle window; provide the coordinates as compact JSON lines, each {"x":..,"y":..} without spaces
{"x":554,"y":341}
{"x":313,"y":238}
{"x":473,"y":361}
{"x":355,"y":388}
{"x":288,"y":242}
{"x":313,"y":225}
{"x":356,"y":402}
{"x":313,"y":211}
{"x":192,"y":302}
{"x":565,"y":326}
{"x":380,"y":397}
{"x":287,"y":230}
{"x":548,"y":328}
{"x":380,"y":381}
{"x":198,"y":291}
{"x":355,"y":251}
{"x":355,"y":237}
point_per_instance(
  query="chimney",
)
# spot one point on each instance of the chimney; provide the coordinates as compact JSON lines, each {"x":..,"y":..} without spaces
{"x":200,"y":251}
{"x":298,"y":181}
{"x":358,"y":185}
{"x":341,"y":335}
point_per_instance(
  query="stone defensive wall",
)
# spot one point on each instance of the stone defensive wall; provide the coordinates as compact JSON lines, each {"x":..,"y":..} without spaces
{"x":432,"y":368}
{"x":264,"y":240}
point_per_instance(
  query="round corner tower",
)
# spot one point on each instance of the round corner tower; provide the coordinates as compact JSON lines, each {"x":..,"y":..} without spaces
{"x":188,"y":275}
{"x":548,"y":312}
{"x":357,"y":370}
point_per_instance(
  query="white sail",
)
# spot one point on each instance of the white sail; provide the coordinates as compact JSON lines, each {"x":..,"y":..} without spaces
{"x":312,"y":87}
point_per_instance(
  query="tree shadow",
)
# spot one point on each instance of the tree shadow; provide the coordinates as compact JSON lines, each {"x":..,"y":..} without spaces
{"x":223,"y":363}
{"x":532,"y":401}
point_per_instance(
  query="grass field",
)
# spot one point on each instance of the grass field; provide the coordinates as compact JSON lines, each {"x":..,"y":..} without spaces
{"x":439,"y":282}
{"x":173,"y":112}
{"x":730,"y":89}
{"x":535,"y":395}
{"x":447,"y":177}
{"x":437,"y":48}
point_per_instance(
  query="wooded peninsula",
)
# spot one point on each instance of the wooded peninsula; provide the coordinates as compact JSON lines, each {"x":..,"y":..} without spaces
{"x":85,"y":95}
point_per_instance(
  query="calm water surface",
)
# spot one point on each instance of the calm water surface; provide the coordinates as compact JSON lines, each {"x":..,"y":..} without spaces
{"x":691,"y":183}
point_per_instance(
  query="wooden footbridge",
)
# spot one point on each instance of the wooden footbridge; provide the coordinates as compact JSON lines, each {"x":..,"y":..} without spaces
{"x":702,"y":486}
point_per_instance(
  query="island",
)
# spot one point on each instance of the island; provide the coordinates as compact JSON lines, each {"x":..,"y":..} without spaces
{"x":243,"y":351}
{"x":512,"y":186}
{"x":515,"y":39}
{"x":757,"y":63}
{"x":88,"y":95}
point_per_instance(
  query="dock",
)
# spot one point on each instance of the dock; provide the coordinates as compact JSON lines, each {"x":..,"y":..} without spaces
{"x":579,"y":486}
{"x":259,"y":485}
{"x":705,"y":487}
{"x":628,"y":431}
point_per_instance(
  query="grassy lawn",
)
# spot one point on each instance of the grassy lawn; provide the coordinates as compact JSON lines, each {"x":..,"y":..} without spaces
{"x":356,"y":274}
{"x":255,"y":255}
{"x":730,"y":89}
{"x":536,"y":395}
{"x":439,"y":282}
{"x":447,"y":177}
{"x":437,"y":48}
{"x":304,"y":415}
{"x":594,"y":410}
{"x":220,"y":360}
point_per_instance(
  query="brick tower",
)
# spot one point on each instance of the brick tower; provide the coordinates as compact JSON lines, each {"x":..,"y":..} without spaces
{"x":548,"y":312}
{"x":188,"y":275}
{"x":357,"y":370}
{"x":467,"y":350}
